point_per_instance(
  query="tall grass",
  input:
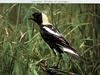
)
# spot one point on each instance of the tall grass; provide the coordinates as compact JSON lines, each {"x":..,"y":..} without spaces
{"x":23,"y":51}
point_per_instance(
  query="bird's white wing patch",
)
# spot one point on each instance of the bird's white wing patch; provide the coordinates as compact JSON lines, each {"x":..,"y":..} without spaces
{"x":69,"y":51}
{"x":51,"y":31}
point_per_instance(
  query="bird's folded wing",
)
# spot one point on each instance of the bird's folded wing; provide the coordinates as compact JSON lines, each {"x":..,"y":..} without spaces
{"x":57,"y":37}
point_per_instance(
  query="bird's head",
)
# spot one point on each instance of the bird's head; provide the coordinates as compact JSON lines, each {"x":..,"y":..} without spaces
{"x":39,"y":18}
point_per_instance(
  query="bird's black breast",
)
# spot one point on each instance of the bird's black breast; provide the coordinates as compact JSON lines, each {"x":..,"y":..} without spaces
{"x":46,"y":37}
{"x":49,"y":38}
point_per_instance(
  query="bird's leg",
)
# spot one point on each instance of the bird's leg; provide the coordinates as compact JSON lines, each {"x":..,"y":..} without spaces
{"x":55,"y":58}
{"x":60,"y":58}
{"x":58,"y":61}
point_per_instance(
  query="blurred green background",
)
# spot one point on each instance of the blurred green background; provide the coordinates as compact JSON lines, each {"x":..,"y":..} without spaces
{"x":23,"y":52}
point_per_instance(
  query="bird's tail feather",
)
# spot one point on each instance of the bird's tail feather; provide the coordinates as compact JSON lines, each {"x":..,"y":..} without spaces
{"x":73,"y":54}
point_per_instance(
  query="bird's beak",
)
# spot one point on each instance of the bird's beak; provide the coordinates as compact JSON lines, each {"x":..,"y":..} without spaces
{"x":30,"y":18}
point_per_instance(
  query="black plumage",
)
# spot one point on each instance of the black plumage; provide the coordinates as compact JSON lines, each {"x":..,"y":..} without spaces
{"x":52,"y":36}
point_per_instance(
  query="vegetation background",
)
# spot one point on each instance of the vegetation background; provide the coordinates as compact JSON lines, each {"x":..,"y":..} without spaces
{"x":23,"y":52}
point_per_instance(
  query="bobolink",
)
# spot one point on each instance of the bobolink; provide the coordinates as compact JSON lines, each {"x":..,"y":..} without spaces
{"x":52,"y":36}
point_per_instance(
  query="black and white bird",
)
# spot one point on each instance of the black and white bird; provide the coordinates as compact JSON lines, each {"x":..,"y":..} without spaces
{"x":52,"y":36}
